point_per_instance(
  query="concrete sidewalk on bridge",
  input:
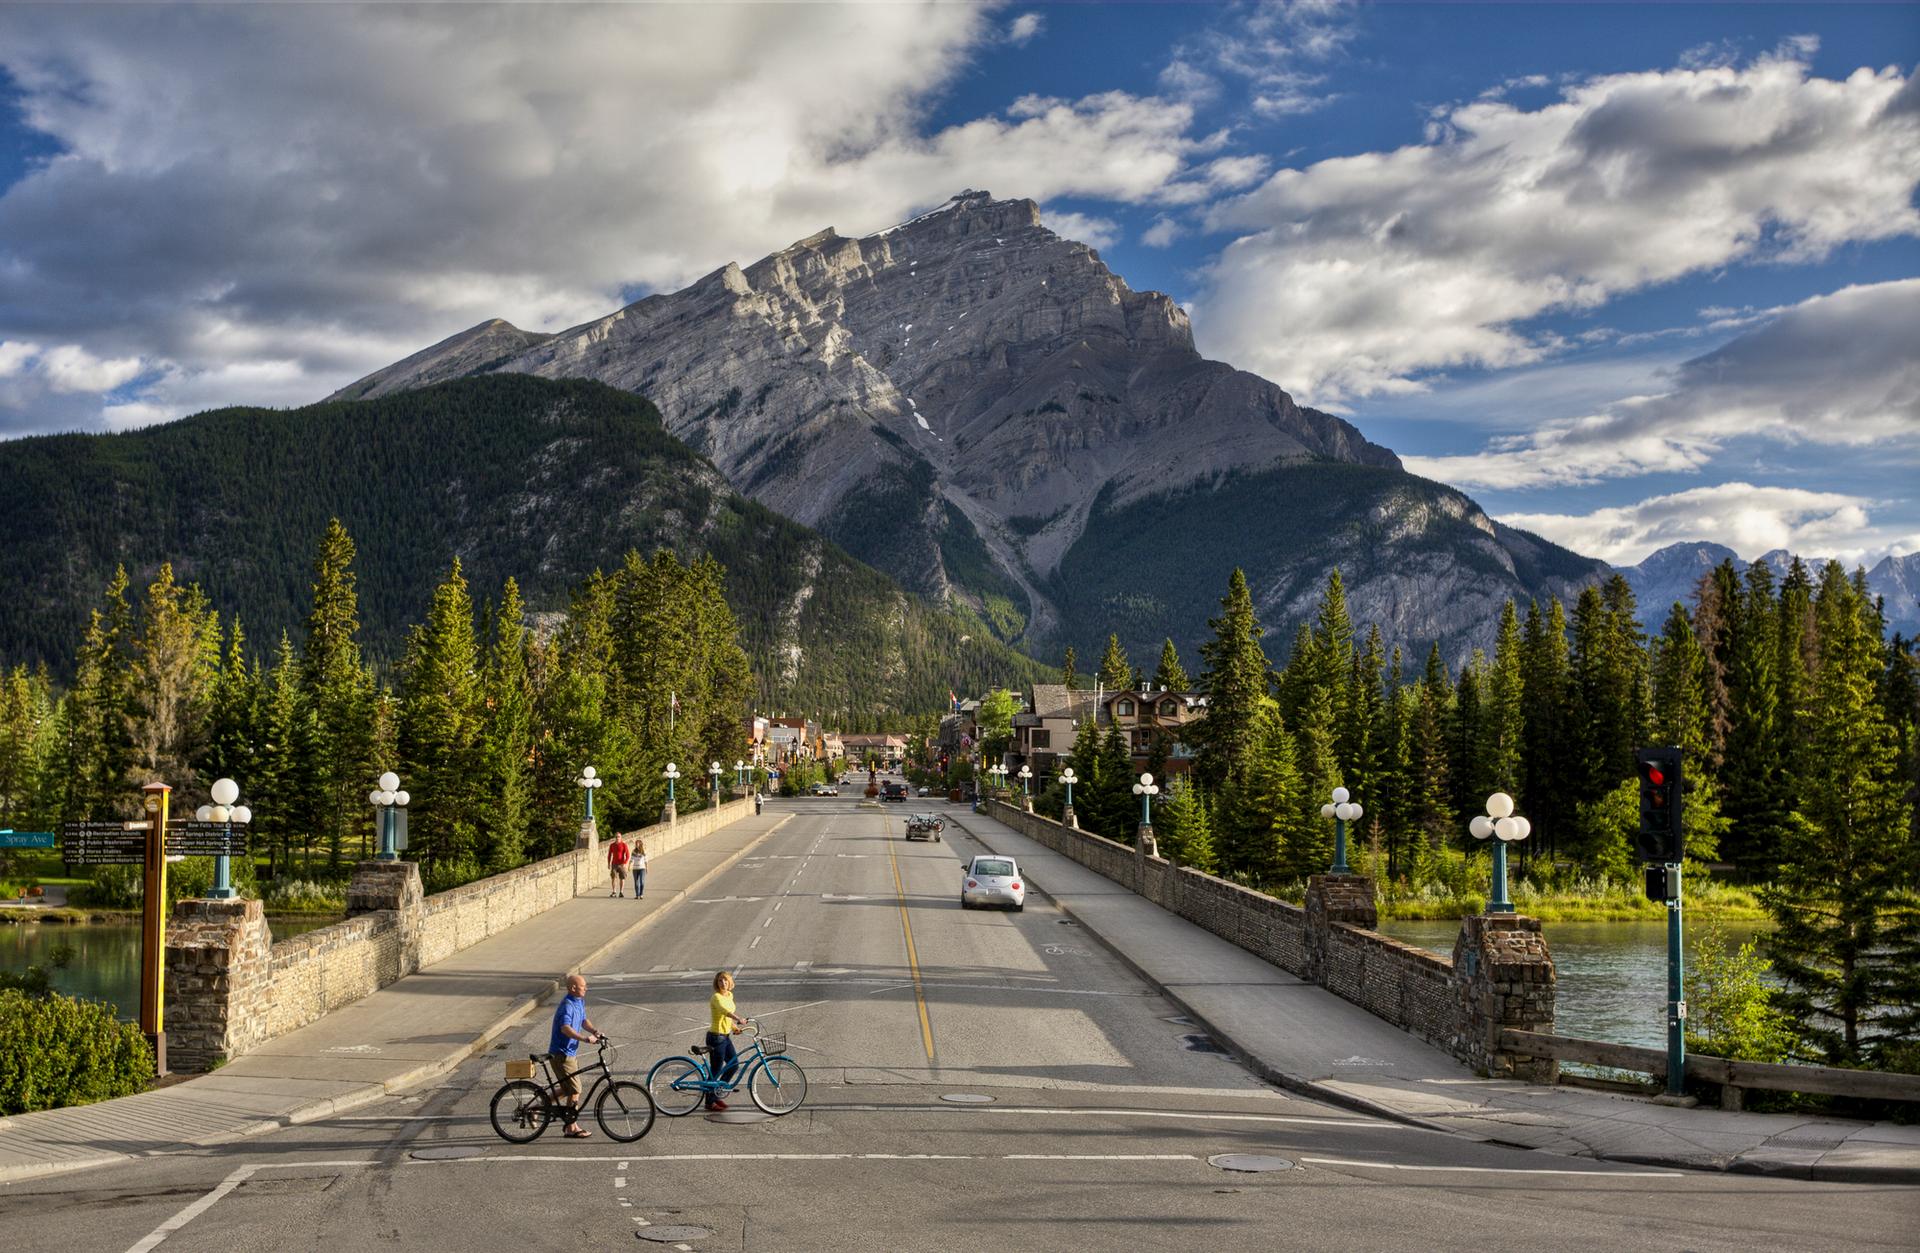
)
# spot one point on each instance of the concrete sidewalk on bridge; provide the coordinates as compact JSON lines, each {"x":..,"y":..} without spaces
{"x":1309,"y":1040}
{"x":398,"y":1038}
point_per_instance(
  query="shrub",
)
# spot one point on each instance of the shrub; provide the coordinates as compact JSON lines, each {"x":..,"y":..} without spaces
{"x":303,"y":896}
{"x":55,"y":1050}
{"x":1730,"y":1006}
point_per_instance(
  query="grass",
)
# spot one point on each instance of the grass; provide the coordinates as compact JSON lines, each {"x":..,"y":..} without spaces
{"x":1609,"y":902}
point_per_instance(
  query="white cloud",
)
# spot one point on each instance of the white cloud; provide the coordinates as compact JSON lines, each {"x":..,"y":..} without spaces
{"x":328,"y":190}
{"x":1360,"y":275}
{"x":1836,"y":370}
{"x":1094,"y":232}
{"x":1025,"y":27}
{"x":1162,"y":233}
{"x":71,"y":368}
{"x":1279,"y":48}
{"x":1750,"y":520}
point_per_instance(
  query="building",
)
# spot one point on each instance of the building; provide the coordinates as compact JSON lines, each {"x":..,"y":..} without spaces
{"x":886,"y":747}
{"x":1045,"y":733}
{"x":1148,"y":715}
{"x":1043,"y":737}
{"x":792,"y":739}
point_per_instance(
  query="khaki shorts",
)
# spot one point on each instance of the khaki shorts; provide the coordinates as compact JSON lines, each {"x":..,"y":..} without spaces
{"x":564,"y":1067}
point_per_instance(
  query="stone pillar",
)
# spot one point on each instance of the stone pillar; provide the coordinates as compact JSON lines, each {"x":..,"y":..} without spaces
{"x":219,"y":968}
{"x":587,"y":867}
{"x":1069,"y":819}
{"x":391,"y":886}
{"x":1145,"y":846}
{"x":1504,"y":978}
{"x":1335,"y":898}
{"x":669,"y":814}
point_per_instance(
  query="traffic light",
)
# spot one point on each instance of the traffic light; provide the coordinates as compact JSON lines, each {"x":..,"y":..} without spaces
{"x":1660,"y":838}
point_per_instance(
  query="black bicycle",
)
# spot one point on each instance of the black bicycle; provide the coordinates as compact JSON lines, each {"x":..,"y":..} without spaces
{"x":522,"y":1109}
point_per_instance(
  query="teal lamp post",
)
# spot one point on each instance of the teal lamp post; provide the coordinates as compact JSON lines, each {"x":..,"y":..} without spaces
{"x":739,"y":776}
{"x":1069,"y":778}
{"x":387,"y":797}
{"x":225,"y":811}
{"x":589,"y":782}
{"x":713,"y":782}
{"x":1026,"y":773}
{"x":1342,"y":811}
{"x":1146,"y":790}
{"x":998,"y":773}
{"x":1504,"y":827}
{"x":672,"y":773}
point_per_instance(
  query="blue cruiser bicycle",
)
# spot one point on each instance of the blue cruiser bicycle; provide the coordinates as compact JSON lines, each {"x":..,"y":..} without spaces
{"x":679,"y":1085}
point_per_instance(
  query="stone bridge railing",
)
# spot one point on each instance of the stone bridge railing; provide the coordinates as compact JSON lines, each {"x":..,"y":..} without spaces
{"x":1499,"y":979}
{"x":230,"y":988}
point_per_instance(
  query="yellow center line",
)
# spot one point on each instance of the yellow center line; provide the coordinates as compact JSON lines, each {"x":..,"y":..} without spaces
{"x":913,"y":958}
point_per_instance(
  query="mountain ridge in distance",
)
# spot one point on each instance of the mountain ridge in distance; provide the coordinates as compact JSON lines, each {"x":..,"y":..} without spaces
{"x":970,"y":402}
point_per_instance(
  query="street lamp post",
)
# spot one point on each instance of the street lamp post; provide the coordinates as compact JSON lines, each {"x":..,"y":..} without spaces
{"x":998,"y":773}
{"x":671,"y":773}
{"x":713,"y":784}
{"x":1342,"y":811}
{"x":1069,"y":779}
{"x":1504,"y":827}
{"x":740,"y":776}
{"x":589,"y":782}
{"x":223,"y":810}
{"x":1026,"y":792}
{"x":1146,"y":790}
{"x":387,"y":797}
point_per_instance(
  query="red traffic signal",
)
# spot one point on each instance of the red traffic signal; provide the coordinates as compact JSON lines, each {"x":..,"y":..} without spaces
{"x":1660,"y":838}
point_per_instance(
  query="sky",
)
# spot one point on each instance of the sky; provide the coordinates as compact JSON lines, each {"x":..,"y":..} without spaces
{"x":1627,"y":274}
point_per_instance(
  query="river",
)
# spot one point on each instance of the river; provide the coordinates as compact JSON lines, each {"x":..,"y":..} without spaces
{"x":106,"y":956}
{"x":1612,"y":975}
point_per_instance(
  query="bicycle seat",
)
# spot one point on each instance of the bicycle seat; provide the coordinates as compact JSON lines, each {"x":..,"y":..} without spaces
{"x":699,"y":1050}
{"x":536,"y":1058}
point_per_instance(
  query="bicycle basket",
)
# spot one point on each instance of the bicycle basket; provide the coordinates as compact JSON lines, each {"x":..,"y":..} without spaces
{"x":774,"y":1040}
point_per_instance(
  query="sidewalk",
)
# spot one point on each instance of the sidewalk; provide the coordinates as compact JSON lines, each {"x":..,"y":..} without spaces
{"x":1307,"y":1039}
{"x":401,"y":1036}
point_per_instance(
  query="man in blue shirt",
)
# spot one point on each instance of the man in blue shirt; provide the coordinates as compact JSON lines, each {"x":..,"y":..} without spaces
{"x":570,"y":1027}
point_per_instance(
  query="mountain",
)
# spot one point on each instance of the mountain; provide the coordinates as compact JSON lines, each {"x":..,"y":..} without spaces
{"x":1674,"y":573}
{"x":544,"y":481}
{"x":973,"y":403}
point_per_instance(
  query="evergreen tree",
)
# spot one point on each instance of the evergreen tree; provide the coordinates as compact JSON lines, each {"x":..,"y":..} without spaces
{"x":506,"y":735}
{"x":282,"y":769}
{"x":1546,"y":763}
{"x":1116,"y":675}
{"x":27,"y":742}
{"x":1269,"y":838}
{"x":1235,"y":682}
{"x":97,"y":753}
{"x":1837,"y":905}
{"x":1753,"y":779}
{"x":1430,"y":810}
{"x":1069,"y":675}
{"x":1115,"y":810}
{"x":1361,"y":742}
{"x":1170,"y":675}
{"x":176,"y":653}
{"x":1472,"y":780}
{"x":1503,"y":715}
{"x":1184,"y":826}
{"x":439,"y":733}
{"x":232,"y":717}
{"x":339,"y":696}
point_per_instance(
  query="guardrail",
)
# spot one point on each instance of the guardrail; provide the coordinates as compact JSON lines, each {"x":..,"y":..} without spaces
{"x":1733,"y":1076}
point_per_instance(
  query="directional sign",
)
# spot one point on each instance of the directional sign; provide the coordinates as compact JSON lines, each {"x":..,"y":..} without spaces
{"x":26,"y":839}
{"x":104,"y":843}
{"x":206,"y":839}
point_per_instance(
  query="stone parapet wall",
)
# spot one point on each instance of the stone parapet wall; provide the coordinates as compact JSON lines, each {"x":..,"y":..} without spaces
{"x":230,"y":988}
{"x":1501,"y":975}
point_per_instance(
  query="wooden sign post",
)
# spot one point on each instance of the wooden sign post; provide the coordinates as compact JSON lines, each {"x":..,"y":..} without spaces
{"x":153,"y":922}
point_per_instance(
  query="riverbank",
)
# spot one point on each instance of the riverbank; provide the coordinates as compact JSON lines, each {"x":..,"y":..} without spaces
{"x":80,"y":916}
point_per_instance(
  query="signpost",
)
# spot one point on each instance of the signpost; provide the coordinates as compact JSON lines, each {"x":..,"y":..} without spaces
{"x":206,"y":839}
{"x":145,"y":843}
{"x":9,"y":838}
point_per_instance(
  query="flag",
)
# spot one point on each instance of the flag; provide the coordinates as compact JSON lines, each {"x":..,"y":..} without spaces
{"x":952,"y":699}
{"x":673,"y":700}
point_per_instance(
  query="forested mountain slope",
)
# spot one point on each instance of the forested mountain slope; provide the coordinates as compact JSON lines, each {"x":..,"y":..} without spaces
{"x":540,"y":480}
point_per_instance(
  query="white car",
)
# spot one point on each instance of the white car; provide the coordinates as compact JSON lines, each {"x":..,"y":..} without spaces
{"x":993,"y":881}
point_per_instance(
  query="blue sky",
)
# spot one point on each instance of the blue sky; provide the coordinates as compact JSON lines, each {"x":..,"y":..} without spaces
{"x":1628,"y":274}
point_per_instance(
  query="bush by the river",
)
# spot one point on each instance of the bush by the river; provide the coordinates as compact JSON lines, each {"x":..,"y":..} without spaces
{"x":55,"y":1050}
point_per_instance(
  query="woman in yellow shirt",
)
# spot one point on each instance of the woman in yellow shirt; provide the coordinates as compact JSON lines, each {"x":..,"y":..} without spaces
{"x":724,"y":1023}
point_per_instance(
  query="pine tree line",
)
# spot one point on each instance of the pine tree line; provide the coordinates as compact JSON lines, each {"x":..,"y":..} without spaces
{"x":487,"y":721}
{"x":1799,"y":719}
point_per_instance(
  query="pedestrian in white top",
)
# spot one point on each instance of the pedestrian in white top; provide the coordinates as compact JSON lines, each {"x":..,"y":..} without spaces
{"x":638,"y":865}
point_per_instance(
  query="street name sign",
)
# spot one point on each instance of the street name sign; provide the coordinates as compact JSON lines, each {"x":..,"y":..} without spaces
{"x":26,"y":839}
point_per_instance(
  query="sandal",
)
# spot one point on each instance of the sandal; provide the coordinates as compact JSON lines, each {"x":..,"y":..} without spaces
{"x":578,"y":1133}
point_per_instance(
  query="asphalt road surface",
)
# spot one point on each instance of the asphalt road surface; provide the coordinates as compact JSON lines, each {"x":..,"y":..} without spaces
{"x":1096,"y":1118}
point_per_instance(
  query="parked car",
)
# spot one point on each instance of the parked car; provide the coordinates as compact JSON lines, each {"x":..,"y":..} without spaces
{"x":923,"y":790}
{"x":993,"y":880}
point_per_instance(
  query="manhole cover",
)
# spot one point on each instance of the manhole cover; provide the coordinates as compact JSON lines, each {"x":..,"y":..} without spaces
{"x":448,"y":1153}
{"x":967,"y":1098}
{"x":1249,"y":1163}
{"x":738,"y":1115}
{"x":672,"y":1235}
{"x":1201,"y":1044}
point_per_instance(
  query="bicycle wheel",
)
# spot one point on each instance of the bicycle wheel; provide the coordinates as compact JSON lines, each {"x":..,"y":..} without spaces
{"x":675,"y":1084}
{"x":624,"y":1111}
{"x":778,"y":1085}
{"x":520,"y":1112}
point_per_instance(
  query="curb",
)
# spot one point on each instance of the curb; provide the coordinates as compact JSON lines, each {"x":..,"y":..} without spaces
{"x":329,"y":1107}
{"x":1815,"y":1172}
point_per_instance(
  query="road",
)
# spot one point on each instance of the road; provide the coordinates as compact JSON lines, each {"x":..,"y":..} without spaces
{"x":1099,"y":1125}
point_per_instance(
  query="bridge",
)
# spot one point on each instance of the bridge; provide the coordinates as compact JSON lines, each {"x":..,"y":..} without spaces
{"x":1135,"y":1058}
